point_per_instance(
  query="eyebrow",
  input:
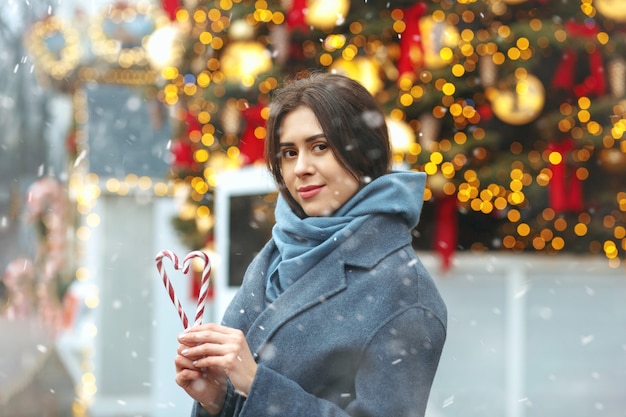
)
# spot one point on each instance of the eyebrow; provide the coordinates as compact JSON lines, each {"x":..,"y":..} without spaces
{"x":309,"y":139}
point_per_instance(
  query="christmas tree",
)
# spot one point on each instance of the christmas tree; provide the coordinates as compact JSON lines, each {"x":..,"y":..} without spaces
{"x":515,"y":108}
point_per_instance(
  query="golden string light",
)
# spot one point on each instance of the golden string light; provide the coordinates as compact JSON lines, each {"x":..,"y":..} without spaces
{"x":492,"y":62}
{"x":118,"y":32}
{"x":55,"y":45}
{"x":214,"y":36}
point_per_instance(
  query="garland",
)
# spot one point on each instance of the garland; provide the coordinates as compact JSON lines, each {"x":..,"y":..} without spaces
{"x":55,"y":46}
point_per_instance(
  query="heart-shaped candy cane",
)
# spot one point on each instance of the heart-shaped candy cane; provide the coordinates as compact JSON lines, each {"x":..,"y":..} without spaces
{"x":204,"y":287}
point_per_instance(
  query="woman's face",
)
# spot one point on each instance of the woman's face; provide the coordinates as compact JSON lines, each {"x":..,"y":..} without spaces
{"x":312,"y":174}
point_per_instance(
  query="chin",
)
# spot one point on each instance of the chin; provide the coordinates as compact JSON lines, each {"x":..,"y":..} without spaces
{"x":318,"y":213}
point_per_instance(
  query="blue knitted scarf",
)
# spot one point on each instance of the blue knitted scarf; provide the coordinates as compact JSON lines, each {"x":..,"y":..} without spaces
{"x":302,"y":243}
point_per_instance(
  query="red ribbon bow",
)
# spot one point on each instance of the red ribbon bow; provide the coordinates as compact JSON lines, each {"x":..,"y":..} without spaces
{"x":564,"y":75}
{"x":565,"y":189}
{"x":411,"y":38}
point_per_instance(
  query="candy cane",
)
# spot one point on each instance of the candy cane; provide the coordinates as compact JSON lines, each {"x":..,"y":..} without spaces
{"x":167,"y":283}
{"x":204,"y":287}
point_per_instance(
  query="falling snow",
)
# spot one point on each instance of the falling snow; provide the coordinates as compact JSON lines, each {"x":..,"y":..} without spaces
{"x":513,"y":326}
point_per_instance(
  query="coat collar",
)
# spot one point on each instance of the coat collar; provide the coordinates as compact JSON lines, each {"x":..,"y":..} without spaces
{"x":308,"y":291}
{"x":366,"y":248}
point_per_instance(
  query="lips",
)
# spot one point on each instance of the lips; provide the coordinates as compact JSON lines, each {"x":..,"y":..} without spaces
{"x":309,"y":191}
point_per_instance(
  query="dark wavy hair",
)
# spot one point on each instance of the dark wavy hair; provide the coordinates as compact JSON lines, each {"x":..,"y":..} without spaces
{"x":349,"y":116}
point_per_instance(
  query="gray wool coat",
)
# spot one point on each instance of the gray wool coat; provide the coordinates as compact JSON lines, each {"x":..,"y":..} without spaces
{"x":360,"y":334}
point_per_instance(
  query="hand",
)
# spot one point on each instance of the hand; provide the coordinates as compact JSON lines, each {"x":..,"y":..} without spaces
{"x":207,"y":386}
{"x":222,"y":351}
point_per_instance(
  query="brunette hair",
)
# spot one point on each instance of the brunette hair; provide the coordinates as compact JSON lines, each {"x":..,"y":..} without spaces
{"x":349,"y":116}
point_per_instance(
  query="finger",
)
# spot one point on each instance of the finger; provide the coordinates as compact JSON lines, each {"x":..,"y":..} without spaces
{"x":188,"y":341}
{"x":211,"y":329}
{"x":226,"y":362}
{"x":208,"y":362}
{"x":188,"y":351}
{"x":208,"y":344}
{"x":204,"y":327}
{"x":208,"y":349}
{"x":187,"y":375}
{"x":181,"y":363}
{"x":183,"y":348}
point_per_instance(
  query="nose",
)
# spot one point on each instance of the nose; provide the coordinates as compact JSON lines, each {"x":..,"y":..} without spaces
{"x":304,"y":165}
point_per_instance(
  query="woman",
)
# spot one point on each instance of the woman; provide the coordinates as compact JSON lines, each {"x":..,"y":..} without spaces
{"x":336,"y":316}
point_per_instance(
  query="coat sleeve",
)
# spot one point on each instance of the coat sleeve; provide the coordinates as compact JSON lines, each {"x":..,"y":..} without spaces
{"x":393,"y":379}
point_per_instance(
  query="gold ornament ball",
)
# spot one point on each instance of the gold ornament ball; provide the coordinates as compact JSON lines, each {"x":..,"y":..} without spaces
{"x":613,"y":160}
{"x":244,"y":60}
{"x":519,"y":100}
{"x":326,"y":14}
{"x":613,"y":9}
{"x":365,"y":70}
{"x":514,"y":1}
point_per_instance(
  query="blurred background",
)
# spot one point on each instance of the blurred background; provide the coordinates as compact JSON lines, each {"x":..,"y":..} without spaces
{"x":131,"y":127}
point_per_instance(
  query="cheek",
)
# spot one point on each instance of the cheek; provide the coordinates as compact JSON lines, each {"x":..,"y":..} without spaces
{"x":287,"y":177}
{"x":282,"y":169}
{"x":348,"y":182}
{"x":351,"y":187}
{"x":288,"y":183}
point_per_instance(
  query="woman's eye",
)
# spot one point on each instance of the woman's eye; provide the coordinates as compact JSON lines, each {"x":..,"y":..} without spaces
{"x":320,"y":147}
{"x":289,"y":153}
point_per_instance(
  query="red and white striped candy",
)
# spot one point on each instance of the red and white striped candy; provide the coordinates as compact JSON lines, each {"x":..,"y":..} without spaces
{"x":204,"y":286}
{"x":202,"y":296}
